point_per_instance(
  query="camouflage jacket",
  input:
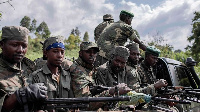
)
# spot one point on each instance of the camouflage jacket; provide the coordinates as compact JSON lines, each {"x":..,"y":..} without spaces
{"x":105,"y":76}
{"x":99,"y":29}
{"x":58,"y":87}
{"x":147,"y":79}
{"x":116,"y":34}
{"x":81,"y":77}
{"x":13,"y":77}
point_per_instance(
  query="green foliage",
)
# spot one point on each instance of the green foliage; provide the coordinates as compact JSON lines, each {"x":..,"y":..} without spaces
{"x":43,"y":31}
{"x":73,"y":42}
{"x":25,"y":22}
{"x":195,"y":37}
{"x":33,"y":25}
{"x":75,"y":32}
{"x":86,"y":37}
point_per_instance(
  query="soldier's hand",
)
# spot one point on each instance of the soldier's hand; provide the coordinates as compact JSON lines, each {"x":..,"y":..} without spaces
{"x":122,"y":88}
{"x":160,"y":83}
{"x":32,"y":93}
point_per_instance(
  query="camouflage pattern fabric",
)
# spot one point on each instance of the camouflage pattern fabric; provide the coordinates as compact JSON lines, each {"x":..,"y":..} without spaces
{"x":99,"y":29}
{"x":12,"y":77}
{"x":81,"y":77}
{"x":58,"y":86}
{"x":15,"y":32}
{"x":116,"y":34}
{"x":147,"y":79}
{"x":105,"y":76}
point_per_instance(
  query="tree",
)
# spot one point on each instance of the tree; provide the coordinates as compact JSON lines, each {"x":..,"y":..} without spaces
{"x":75,"y":32}
{"x":86,"y":36}
{"x":72,"y":42}
{"x":33,"y":26}
{"x":195,"y":37}
{"x":43,"y":31}
{"x":25,"y":22}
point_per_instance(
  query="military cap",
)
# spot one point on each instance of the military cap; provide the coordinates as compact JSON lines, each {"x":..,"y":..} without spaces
{"x":87,"y":45}
{"x":53,"y":42}
{"x":127,"y":13}
{"x":108,"y":16}
{"x":15,"y":33}
{"x":153,"y":50}
{"x":133,"y":46}
{"x":121,"y":51}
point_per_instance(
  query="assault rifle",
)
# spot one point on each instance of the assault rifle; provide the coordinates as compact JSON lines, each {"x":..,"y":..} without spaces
{"x":77,"y":103}
{"x":185,"y":95}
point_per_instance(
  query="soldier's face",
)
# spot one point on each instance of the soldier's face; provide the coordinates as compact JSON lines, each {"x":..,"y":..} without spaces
{"x":14,"y":50}
{"x":118,"y":64}
{"x":55,"y":56}
{"x":129,"y":20}
{"x":151,"y":59}
{"x":134,"y":56}
{"x":88,"y":56}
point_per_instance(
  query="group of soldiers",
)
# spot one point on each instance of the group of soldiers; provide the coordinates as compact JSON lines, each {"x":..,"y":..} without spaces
{"x":108,"y":62}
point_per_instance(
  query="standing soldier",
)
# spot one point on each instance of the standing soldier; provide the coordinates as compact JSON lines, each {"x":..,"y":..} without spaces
{"x":16,"y":94}
{"x":52,"y":74}
{"x":116,"y":34}
{"x":107,"y":19}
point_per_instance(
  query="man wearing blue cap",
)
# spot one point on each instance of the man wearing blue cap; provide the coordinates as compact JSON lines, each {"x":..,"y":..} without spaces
{"x":116,"y":34}
{"x":56,"y":78}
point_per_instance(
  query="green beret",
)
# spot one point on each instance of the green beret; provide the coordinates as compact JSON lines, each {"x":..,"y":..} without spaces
{"x":107,"y":16}
{"x":121,"y":51}
{"x":51,"y":40}
{"x":153,"y":50}
{"x":87,"y":45}
{"x":127,"y":13}
{"x":15,"y":33}
{"x":133,"y":46}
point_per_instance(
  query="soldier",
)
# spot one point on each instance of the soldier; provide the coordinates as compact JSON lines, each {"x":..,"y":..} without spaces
{"x":114,"y":70}
{"x":82,"y":71}
{"x":107,"y":19}
{"x":40,"y":62}
{"x":15,"y":92}
{"x":148,"y":79}
{"x":132,"y":65}
{"x":52,"y":74}
{"x":116,"y":34}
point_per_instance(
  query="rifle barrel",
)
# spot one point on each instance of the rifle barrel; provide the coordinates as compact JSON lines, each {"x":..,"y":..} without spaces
{"x":86,"y":100}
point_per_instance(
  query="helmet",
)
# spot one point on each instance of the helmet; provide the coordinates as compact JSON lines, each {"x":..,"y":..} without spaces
{"x":107,"y":16}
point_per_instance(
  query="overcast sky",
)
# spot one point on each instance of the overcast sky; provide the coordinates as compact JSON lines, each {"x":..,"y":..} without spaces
{"x":171,"y":18}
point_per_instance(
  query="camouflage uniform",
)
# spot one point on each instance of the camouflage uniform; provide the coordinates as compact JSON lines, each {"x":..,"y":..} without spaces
{"x":81,"y":77}
{"x":114,"y":35}
{"x":57,"y":87}
{"x":108,"y":19}
{"x":13,"y":77}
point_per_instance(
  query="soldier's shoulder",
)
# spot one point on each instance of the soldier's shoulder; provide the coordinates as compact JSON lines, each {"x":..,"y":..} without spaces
{"x":31,"y":64}
{"x":76,"y":68}
{"x":37,"y":72}
{"x":66,"y":64}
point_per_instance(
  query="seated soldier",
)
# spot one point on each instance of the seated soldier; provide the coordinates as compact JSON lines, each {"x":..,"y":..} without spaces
{"x":16,"y":94}
{"x":56,"y":78}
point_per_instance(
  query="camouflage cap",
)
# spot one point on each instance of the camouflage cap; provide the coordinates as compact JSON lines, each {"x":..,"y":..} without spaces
{"x":51,"y":40}
{"x":15,"y":33}
{"x":133,"y":46}
{"x":121,"y":51}
{"x":108,"y":16}
{"x":127,"y":13}
{"x":153,"y":50}
{"x":87,"y":45}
